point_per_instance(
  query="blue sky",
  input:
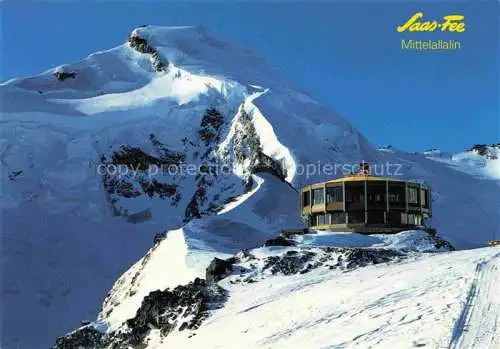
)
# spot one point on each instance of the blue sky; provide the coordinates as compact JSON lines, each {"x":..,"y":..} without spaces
{"x":346,"y":55}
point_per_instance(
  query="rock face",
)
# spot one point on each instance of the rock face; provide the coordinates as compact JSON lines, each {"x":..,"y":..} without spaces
{"x":303,"y":260}
{"x":84,"y":337}
{"x":211,"y":167}
{"x":279,"y":241}
{"x":441,"y":243}
{"x":134,"y":160}
{"x":291,"y":263}
{"x":141,"y":45}
{"x":486,"y":150}
{"x":61,"y":76}
{"x":210,"y":126}
{"x":247,"y":147}
{"x":183,"y":308}
{"x":360,"y":257}
{"x":159,"y":237}
{"x":217,"y":269}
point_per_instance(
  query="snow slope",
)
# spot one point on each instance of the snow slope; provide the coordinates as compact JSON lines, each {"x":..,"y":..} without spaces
{"x":409,"y":304}
{"x":66,"y":235}
{"x":481,"y":161}
{"x":185,"y":253}
{"x":477,"y":326}
{"x":414,"y":240}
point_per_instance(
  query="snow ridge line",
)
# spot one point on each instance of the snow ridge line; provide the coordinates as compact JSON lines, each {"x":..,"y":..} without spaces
{"x":480,"y":314}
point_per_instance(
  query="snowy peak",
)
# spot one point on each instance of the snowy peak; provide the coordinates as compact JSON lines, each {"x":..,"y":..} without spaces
{"x":434,"y":152}
{"x":480,"y":160}
{"x":491,"y":151}
{"x":201,"y":51}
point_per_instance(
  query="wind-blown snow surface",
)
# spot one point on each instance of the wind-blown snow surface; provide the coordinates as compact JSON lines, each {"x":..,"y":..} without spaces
{"x":63,"y":244}
{"x":483,"y":164}
{"x":412,"y":303}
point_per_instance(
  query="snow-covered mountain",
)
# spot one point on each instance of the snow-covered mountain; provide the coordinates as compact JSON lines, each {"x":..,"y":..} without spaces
{"x":314,"y":295}
{"x":480,"y":160}
{"x":94,"y":164}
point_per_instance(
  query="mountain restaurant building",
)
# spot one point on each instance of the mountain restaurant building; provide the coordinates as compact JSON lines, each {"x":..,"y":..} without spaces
{"x":366,"y":203}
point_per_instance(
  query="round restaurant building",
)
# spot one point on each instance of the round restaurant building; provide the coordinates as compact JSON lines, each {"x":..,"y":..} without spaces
{"x":366,"y":203}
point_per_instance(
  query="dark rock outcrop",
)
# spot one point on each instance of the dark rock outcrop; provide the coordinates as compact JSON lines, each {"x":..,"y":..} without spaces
{"x":141,"y":45}
{"x":442,"y":244}
{"x":360,"y":257}
{"x":159,"y":237}
{"x":290,"y":263}
{"x":61,"y":75}
{"x":265,"y":163}
{"x":210,"y":126}
{"x":127,"y":173}
{"x":217,"y":270}
{"x":183,"y":307}
{"x":159,"y":64}
{"x":193,"y":208}
{"x":85,"y":337}
{"x":305,"y":259}
{"x":120,"y":187}
{"x":14,"y":174}
{"x":163,"y":190}
{"x":279,"y":241}
{"x":289,"y":233}
{"x":206,"y":202}
{"x":134,"y":158}
{"x":484,"y":150}
{"x":247,"y":148}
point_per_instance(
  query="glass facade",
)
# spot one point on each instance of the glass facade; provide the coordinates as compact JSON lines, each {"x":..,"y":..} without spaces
{"x":356,"y":217}
{"x":396,"y":193}
{"x":318,"y":196}
{"x":336,"y":217}
{"x":328,"y":218}
{"x":388,"y":203}
{"x":305,"y":198}
{"x":412,"y":194}
{"x":334,"y":194}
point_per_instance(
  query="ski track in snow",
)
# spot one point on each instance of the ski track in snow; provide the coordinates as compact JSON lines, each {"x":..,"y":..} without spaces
{"x":394,"y":305}
{"x":477,"y":325}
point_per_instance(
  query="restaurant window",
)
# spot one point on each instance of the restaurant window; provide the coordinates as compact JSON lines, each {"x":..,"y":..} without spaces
{"x":376,"y":217}
{"x":412,"y":195}
{"x":396,"y":194}
{"x":320,"y":219}
{"x":355,"y":194}
{"x":356,"y":217}
{"x":336,"y":218}
{"x":423,"y":197}
{"x":318,"y":196}
{"x":394,"y":218}
{"x":305,"y":198}
{"x":411,"y":219}
{"x":334,"y":194}
{"x":376,"y":192}
{"x":375,"y":197}
{"x":404,"y":218}
{"x":394,"y":197}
